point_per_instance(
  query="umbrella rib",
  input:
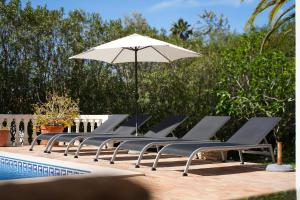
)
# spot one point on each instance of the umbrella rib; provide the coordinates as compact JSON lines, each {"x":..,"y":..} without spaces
{"x":136,"y":48}
{"x":131,"y":49}
{"x":117,"y":55}
{"x":161,"y":54}
{"x":143,"y":48}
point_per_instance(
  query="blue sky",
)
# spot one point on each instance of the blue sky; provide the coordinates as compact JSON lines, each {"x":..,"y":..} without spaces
{"x":161,"y":14}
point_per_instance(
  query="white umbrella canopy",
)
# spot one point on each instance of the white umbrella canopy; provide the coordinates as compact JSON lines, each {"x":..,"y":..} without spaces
{"x":136,"y":48}
{"x":148,"y":50}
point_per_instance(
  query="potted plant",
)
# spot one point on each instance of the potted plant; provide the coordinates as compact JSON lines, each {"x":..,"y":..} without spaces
{"x":55,"y":114}
{"x":4,"y":134}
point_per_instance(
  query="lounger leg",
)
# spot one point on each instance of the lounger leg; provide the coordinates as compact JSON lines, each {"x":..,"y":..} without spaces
{"x":197,"y":157}
{"x":99,"y":150}
{"x":50,"y":145}
{"x":112,"y":160}
{"x":156,"y":160}
{"x":272,"y":153}
{"x":223,"y":156}
{"x":69,"y":145}
{"x":188,"y":163}
{"x":241,"y":157}
{"x":138,"y":161}
{"x":157,"y":148}
{"x":80,"y":146}
{"x":48,"y":148}
{"x":67,"y":148}
{"x":78,"y":149}
{"x":33,"y":143}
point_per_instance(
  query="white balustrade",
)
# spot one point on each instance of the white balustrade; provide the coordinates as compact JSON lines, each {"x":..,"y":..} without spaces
{"x":85,"y":123}
{"x":21,"y":135}
{"x":77,"y":123}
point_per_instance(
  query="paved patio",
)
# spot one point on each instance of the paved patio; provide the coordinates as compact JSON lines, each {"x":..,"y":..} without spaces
{"x":206,"y":180}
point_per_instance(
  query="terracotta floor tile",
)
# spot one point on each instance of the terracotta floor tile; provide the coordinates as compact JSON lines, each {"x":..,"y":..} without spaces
{"x":206,"y":180}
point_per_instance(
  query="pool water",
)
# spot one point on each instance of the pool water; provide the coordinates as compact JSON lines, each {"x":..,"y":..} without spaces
{"x":11,"y":168}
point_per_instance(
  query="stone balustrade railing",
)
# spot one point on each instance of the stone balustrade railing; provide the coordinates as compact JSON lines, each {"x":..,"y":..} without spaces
{"x":18,"y":125}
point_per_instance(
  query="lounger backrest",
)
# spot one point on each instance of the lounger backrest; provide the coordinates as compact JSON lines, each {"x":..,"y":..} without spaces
{"x":165,"y":127}
{"x":206,"y":128}
{"x":128,"y":127}
{"x":255,"y":130}
{"x":111,"y":123}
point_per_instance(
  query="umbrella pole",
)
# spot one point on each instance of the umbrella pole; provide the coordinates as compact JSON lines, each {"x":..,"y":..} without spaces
{"x":136,"y":93}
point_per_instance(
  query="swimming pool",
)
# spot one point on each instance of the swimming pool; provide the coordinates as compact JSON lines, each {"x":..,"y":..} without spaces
{"x":12,"y":168}
{"x":20,"y":167}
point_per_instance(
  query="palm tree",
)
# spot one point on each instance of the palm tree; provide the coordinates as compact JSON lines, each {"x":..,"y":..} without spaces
{"x":181,"y":29}
{"x":275,"y":20}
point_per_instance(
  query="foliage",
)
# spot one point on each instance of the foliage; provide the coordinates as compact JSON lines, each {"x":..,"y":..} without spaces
{"x":277,"y":18}
{"x":136,"y":22}
{"x":290,"y":195}
{"x":262,"y":85}
{"x":58,"y":110}
{"x":230,"y":78}
{"x":254,"y":95}
{"x":181,"y":29}
{"x":210,"y":25}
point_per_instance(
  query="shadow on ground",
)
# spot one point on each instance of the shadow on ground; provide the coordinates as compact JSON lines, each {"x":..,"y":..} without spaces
{"x":227,"y":170}
{"x":176,"y":163}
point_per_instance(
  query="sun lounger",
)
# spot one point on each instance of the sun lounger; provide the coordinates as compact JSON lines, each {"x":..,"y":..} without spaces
{"x":249,"y":136}
{"x":108,"y":126}
{"x":163,"y":129}
{"x":127,"y":128}
{"x":202,"y":131}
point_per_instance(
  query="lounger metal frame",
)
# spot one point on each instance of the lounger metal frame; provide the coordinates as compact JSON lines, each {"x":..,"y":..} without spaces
{"x":51,"y":143}
{"x":239,"y":148}
{"x":156,"y":144}
{"x":122,"y":139}
{"x":89,"y":136}
{"x":105,"y":142}
{"x":202,"y":125}
{"x":113,"y":121}
{"x":240,"y":141}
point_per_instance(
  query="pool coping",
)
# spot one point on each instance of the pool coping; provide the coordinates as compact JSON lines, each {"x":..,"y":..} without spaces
{"x":95,"y":171}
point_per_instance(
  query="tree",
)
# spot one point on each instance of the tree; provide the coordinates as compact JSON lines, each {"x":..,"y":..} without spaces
{"x":181,"y":29}
{"x":230,"y":77}
{"x":276,"y":19}
{"x":137,"y":22}
{"x":212,"y":28}
{"x":211,"y":23}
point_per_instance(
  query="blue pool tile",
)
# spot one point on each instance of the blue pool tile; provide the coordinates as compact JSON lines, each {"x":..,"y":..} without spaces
{"x":11,"y":168}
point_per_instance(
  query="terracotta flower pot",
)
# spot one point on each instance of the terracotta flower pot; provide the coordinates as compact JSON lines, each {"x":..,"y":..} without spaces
{"x":51,"y":129}
{"x":4,"y":134}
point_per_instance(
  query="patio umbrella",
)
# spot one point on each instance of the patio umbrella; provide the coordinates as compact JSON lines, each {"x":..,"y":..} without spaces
{"x":136,"y":48}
